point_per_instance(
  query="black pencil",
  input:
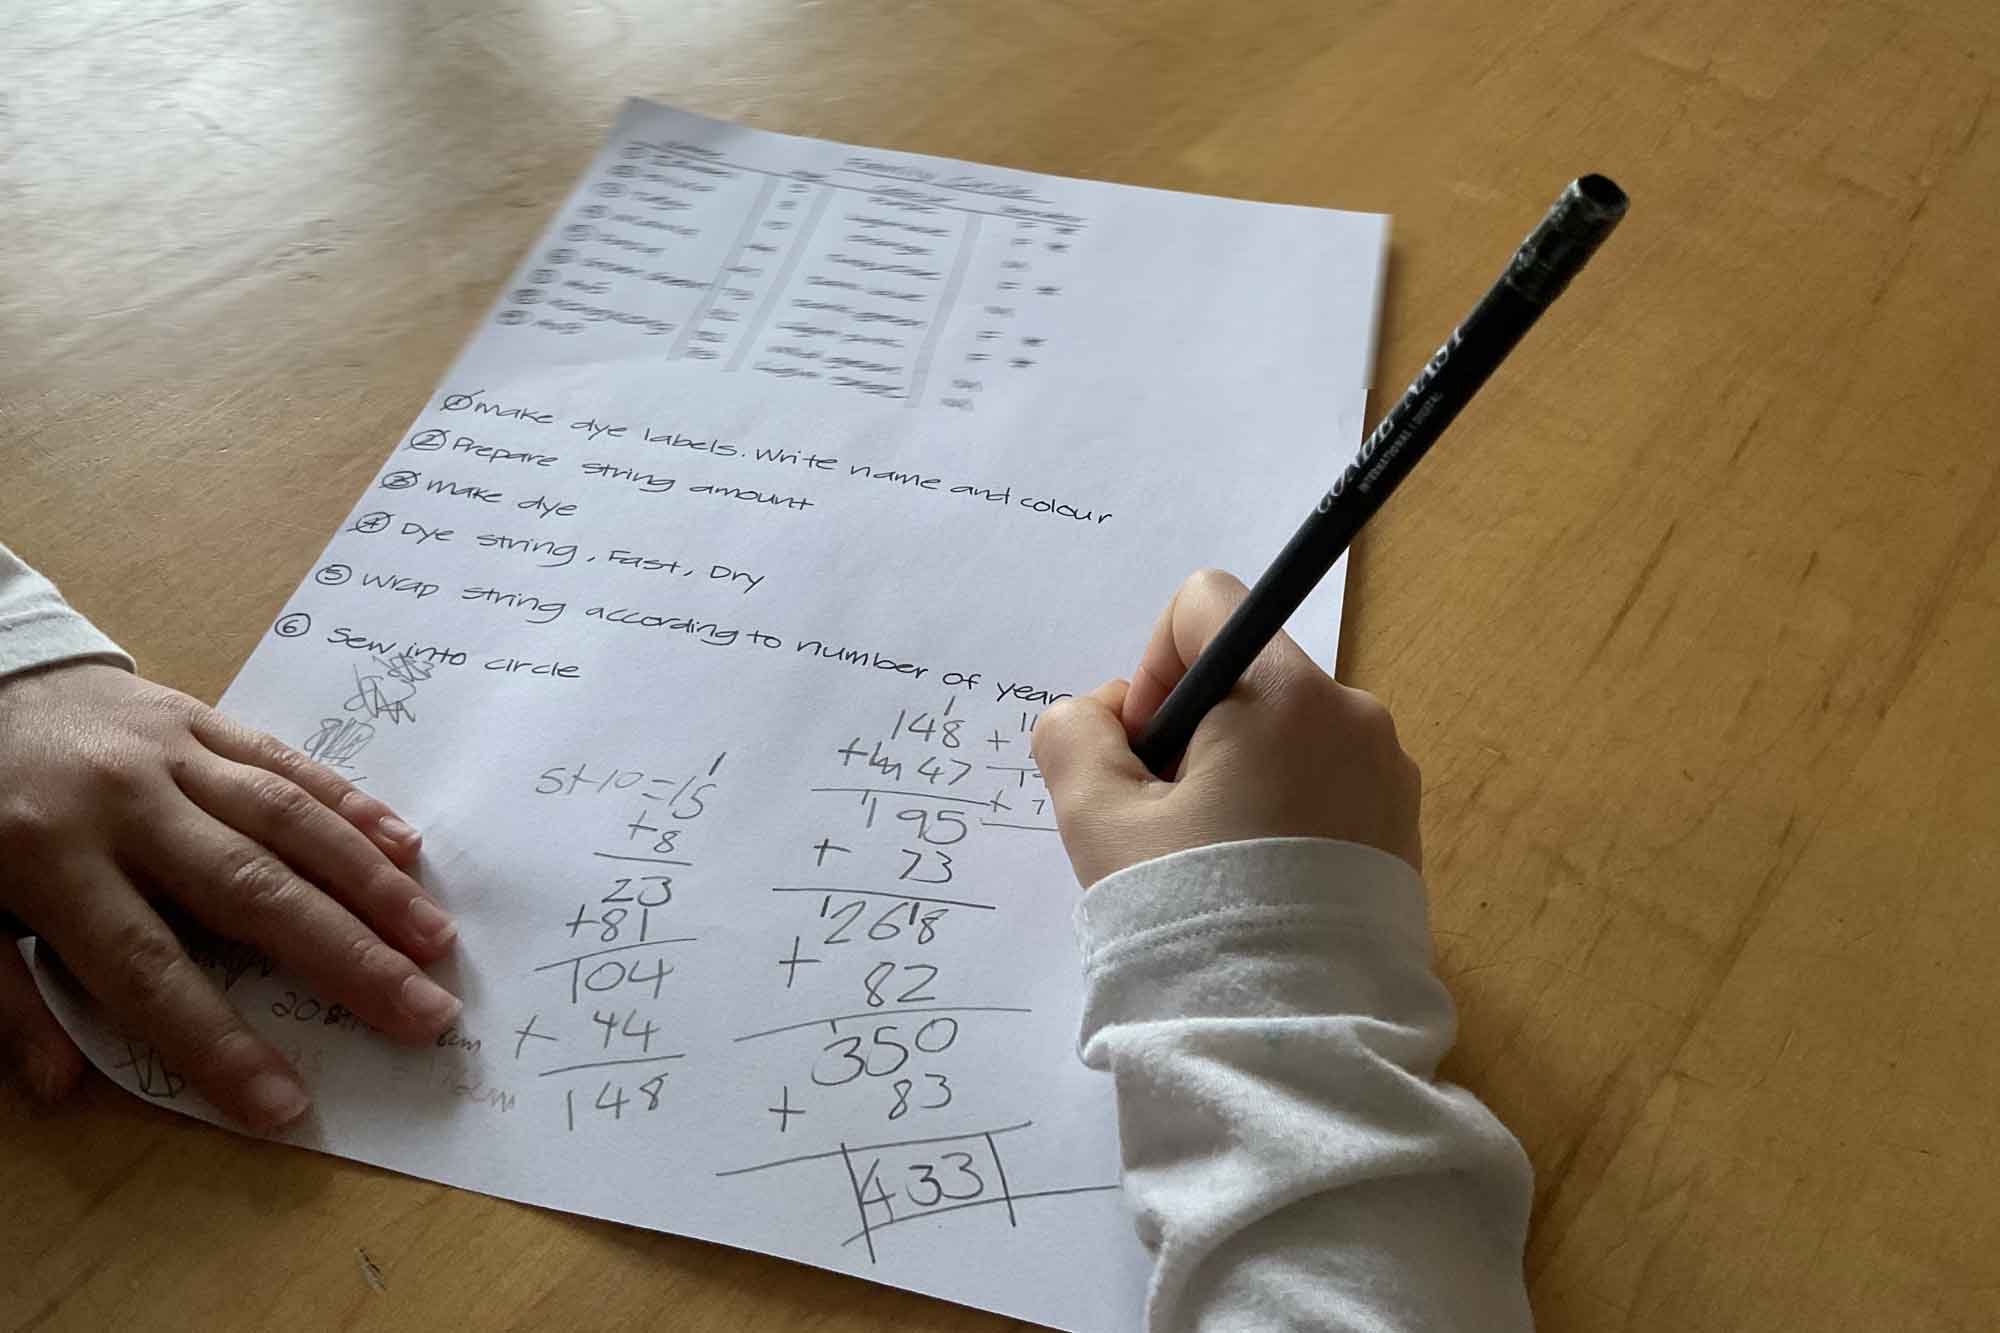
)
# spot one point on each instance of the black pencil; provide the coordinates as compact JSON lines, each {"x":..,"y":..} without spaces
{"x":1583,"y":215}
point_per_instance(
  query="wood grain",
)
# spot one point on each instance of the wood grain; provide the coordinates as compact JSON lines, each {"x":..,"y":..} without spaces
{"x":1694,"y":626}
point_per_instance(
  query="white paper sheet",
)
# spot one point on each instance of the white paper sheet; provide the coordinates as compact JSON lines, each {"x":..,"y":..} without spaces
{"x":700,"y":619}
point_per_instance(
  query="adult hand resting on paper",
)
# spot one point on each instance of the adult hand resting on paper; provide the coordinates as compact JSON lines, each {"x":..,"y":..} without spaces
{"x":124,"y":800}
{"x":1289,"y":753}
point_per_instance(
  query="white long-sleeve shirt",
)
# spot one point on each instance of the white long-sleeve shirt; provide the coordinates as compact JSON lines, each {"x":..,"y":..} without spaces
{"x":38,"y":628}
{"x":1272,"y":1026}
{"x":1269,"y":1015}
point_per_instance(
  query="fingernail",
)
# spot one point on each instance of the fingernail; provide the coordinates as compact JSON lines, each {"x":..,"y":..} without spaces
{"x":432,"y":922}
{"x":425,"y":999}
{"x":395,"y":830}
{"x":276,"y":1100}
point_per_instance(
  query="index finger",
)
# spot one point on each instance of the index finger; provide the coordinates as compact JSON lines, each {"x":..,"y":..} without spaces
{"x":231,"y":739}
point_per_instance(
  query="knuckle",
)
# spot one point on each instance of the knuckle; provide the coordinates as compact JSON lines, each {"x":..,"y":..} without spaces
{"x":1370,"y":716}
{"x":209,"y":1056}
{"x":173,"y":706}
{"x":1367,"y":709}
{"x":1058,"y":714}
{"x":1053,"y":728}
{"x":1282,"y":703}
{"x":1209,"y":580}
{"x":257,"y":883}
{"x":370,"y":959}
{"x":1412,"y":771}
{"x":342,"y":797}
{"x":386,"y":886}
{"x":1290,"y":681}
{"x":151,"y":964}
{"x":26,"y":823}
{"x":280,"y":757}
{"x":1064,"y":742}
{"x":284,"y":801}
{"x":119,"y":778}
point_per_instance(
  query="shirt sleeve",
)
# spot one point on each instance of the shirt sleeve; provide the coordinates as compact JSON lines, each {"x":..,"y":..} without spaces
{"x":1272,"y":1026}
{"x":38,"y":628}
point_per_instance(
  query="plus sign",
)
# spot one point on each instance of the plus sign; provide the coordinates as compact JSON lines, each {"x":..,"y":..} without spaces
{"x":823,"y":846}
{"x":792,"y":964}
{"x":784,"y":1110}
{"x":527,"y":1030}
{"x":996,"y":740}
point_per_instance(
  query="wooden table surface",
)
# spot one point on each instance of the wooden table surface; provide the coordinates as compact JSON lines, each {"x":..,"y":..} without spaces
{"x":1696,"y":636}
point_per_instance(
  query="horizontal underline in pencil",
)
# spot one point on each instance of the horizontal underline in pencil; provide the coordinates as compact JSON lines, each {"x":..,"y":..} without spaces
{"x":606,"y":1064}
{"x":883,"y":893}
{"x":875,"y":1147}
{"x":911,"y":795}
{"x":832,"y":1019}
{"x":617,"y":948}
{"x":649,"y":860}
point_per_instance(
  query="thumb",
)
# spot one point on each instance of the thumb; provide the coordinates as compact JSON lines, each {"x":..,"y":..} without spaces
{"x":1080,"y":744}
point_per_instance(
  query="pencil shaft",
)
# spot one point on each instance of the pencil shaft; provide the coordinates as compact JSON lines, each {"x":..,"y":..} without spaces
{"x":1538,"y":272}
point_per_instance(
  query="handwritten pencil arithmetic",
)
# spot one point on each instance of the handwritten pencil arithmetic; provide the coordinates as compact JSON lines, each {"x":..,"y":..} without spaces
{"x":699,"y":618}
{"x":1582,"y":216}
